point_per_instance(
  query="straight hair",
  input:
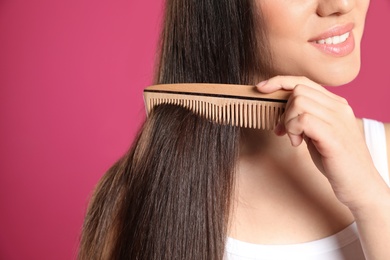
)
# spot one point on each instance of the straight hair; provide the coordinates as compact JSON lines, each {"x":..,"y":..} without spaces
{"x":169,"y":196}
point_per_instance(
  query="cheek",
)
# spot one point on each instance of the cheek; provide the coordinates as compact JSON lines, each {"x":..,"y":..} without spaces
{"x":287,"y":46}
{"x":282,"y":15}
{"x":363,"y":8}
{"x":286,"y":24}
{"x":365,"y":5}
{"x":289,"y":59}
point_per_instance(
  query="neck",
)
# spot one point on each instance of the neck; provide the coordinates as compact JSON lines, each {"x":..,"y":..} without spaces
{"x":268,"y":145}
{"x":278,"y":183}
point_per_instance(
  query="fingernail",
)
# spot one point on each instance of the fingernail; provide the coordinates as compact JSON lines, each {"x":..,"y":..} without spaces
{"x":279,"y":129}
{"x":259,"y":85}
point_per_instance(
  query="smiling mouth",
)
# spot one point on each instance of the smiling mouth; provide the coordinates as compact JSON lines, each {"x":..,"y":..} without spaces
{"x":334,"y":39}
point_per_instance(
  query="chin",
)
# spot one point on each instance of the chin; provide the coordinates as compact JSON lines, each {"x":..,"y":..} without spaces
{"x":336,"y":81}
{"x":337,"y":77}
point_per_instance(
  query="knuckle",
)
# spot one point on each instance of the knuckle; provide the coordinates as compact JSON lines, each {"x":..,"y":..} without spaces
{"x":348,"y":110}
{"x":344,"y":109}
{"x":303,"y":78}
{"x":278,"y":78}
{"x":298,"y":101}
{"x":299,"y":88}
{"x":344,"y":101}
{"x":304,"y":118}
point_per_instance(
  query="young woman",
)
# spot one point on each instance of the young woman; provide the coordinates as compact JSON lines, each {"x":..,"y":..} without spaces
{"x":314,"y":188}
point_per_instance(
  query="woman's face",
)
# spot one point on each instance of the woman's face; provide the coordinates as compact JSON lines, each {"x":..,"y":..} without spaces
{"x":319,"y":39}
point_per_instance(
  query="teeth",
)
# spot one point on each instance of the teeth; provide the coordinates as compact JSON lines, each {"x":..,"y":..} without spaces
{"x":334,"y":39}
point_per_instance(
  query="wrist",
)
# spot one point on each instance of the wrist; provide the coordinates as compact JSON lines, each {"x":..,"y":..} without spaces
{"x":374,"y":201}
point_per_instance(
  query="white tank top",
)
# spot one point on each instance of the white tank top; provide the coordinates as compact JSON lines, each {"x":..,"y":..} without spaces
{"x":344,"y":245}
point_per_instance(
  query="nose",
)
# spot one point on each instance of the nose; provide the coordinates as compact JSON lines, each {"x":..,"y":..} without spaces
{"x":334,"y":7}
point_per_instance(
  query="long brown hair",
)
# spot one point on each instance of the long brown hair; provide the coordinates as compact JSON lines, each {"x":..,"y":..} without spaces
{"x":169,"y":197}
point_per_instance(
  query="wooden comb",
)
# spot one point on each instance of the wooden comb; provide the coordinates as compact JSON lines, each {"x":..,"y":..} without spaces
{"x":237,"y":105}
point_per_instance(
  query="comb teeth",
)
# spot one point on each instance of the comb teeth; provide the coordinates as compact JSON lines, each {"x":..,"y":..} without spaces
{"x":242,"y":113}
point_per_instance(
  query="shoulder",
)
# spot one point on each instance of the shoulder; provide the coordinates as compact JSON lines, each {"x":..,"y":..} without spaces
{"x":387,"y":130}
{"x":360,"y":124}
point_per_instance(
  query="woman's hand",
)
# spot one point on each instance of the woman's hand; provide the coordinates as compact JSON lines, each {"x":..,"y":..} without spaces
{"x":336,"y":143}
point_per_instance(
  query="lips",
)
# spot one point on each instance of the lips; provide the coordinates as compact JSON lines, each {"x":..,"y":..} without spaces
{"x":337,"y":41}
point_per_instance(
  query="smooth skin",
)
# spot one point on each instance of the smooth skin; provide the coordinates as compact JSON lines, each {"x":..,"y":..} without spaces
{"x":313,"y":176}
{"x":293,"y":24}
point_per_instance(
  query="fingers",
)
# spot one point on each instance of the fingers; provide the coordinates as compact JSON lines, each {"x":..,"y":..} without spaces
{"x":286,"y":83}
{"x":291,"y":83}
{"x":310,"y":109}
{"x":307,"y":100}
{"x":328,"y":126}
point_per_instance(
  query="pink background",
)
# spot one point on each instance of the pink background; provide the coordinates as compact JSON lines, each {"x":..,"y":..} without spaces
{"x":71,"y":80}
